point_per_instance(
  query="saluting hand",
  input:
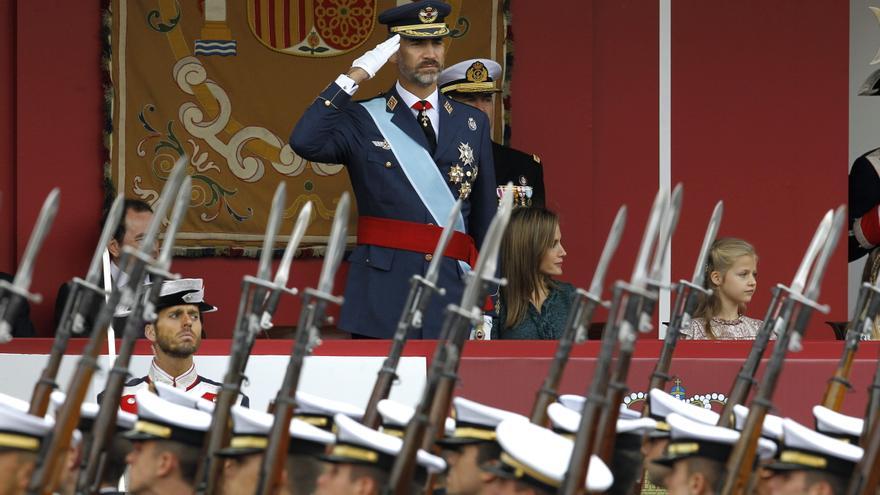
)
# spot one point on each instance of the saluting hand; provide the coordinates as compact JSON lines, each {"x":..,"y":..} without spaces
{"x":370,"y":62}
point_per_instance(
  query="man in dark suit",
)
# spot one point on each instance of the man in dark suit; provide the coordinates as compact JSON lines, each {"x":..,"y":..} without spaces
{"x":410,"y":154}
{"x":475,"y":82}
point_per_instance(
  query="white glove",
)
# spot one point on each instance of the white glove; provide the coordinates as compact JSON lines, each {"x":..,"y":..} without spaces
{"x":374,"y":59}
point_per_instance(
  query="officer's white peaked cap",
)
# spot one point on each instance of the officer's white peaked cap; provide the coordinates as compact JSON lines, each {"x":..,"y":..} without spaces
{"x":176,"y":395}
{"x":159,"y":419}
{"x":250,"y":430}
{"x":837,"y":425}
{"x":535,"y":455}
{"x":805,"y":449}
{"x":21,"y":431}
{"x":319,"y":411}
{"x":688,"y":438}
{"x":475,"y":422}
{"x":477,"y":75}
{"x":565,"y":420}
{"x":14,"y":403}
{"x":396,"y":416}
{"x":771,"y":429}
{"x":576,"y":404}
{"x":358,"y":444}
{"x":88,"y":411}
{"x":663,"y":404}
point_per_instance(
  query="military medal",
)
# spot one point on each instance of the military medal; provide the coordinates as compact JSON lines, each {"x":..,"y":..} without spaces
{"x":472,"y":124}
{"x":465,"y":190}
{"x":465,"y":154}
{"x":456,"y":174}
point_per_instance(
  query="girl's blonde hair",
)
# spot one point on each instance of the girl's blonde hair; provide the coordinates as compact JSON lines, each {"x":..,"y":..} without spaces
{"x":723,"y":254}
{"x":530,"y":233}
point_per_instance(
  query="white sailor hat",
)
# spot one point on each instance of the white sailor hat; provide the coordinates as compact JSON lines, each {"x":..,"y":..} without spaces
{"x":14,"y":403}
{"x":318,"y":411}
{"x":837,"y":425}
{"x":663,"y":404}
{"x":20,"y":430}
{"x":250,"y":431}
{"x":396,"y":416}
{"x":629,"y":431}
{"x":176,"y":396}
{"x":88,"y":411}
{"x":358,"y":444}
{"x":771,"y":429}
{"x":806,"y":450}
{"x":576,"y":404}
{"x":688,"y":438}
{"x":539,"y":457}
{"x":477,"y":75}
{"x":475,"y":422}
{"x":183,"y":291}
{"x":159,"y":419}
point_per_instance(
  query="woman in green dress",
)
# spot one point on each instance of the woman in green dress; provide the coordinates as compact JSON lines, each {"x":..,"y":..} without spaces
{"x":532,"y":305}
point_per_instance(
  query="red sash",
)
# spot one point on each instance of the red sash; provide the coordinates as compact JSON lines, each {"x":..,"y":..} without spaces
{"x":416,"y":237}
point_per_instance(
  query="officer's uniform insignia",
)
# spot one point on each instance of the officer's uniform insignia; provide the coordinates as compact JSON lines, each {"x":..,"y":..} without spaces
{"x":465,"y":190}
{"x":428,"y":15}
{"x":536,"y":158}
{"x":392,"y":102}
{"x":472,"y":124}
{"x":456,"y":174}
{"x":522,"y":180}
{"x":382,"y":144}
{"x":465,"y":153}
{"x":448,"y":107}
{"x":477,"y":72}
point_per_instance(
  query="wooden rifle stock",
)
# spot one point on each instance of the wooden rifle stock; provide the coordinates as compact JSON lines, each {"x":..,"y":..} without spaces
{"x":866,"y":477}
{"x":873,"y":406}
{"x":742,"y":384}
{"x":839,"y":384}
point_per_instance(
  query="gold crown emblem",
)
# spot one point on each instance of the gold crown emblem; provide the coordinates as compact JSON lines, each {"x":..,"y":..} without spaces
{"x":477,"y":72}
{"x":428,"y":15}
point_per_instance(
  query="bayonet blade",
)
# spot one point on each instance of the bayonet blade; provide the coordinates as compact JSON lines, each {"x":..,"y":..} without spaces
{"x":433,"y":272}
{"x":299,"y":230}
{"x":181,"y":204}
{"x":25,"y":271}
{"x":818,"y":271}
{"x":336,"y":244}
{"x":667,"y":228}
{"x":264,"y":268}
{"x":168,"y":197}
{"x":640,"y":270}
{"x":800,"y":277}
{"x":487,"y":261}
{"x":608,"y":252}
{"x":708,"y":240}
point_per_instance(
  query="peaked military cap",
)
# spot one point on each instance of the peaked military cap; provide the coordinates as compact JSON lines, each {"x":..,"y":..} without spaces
{"x":576,"y":404}
{"x":475,"y":422}
{"x":20,"y":430}
{"x":358,"y":444}
{"x":539,"y":457}
{"x":689,"y":438}
{"x":88,"y":411}
{"x":566,"y":422}
{"x":806,"y":450}
{"x":771,"y":429}
{"x":663,"y":404}
{"x":183,"y":291}
{"x":159,"y":419}
{"x":478,"y":75}
{"x":176,"y":395}
{"x":424,"y":19}
{"x":837,"y":425}
{"x":250,"y":434}
{"x":396,"y":416}
{"x":318,"y":411}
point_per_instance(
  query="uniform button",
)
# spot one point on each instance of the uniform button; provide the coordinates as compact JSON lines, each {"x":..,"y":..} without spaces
{"x":388,"y":165}
{"x":431,"y":223}
{"x":327,"y":103}
{"x":429,"y":257}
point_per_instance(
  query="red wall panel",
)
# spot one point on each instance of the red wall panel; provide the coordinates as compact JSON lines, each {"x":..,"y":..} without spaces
{"x":7,"y":137}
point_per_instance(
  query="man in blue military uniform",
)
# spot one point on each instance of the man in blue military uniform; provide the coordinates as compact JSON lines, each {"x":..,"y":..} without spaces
{"x":475,"y":82}
{"x":410,"y":154}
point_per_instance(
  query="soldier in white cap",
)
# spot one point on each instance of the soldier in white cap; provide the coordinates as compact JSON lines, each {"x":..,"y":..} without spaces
{"x":117,"y":449}
{"x":21,"y":436}
{"x":812,"y":463}
{"x":362,"y":458}
{"x":471,"y":445}
{"x":838,"y":425}
{"x":475,"y":82}
{"x":318,"y":411}
{"x":167,"y":442}
{"x":176,"y":336}
{"x":244,"y":455}
{"x":697,"y":454}
{"x":771,"y":429}
{"x":661,"y":404}
{"x":534,"y":461}
{"x":627,"y":445}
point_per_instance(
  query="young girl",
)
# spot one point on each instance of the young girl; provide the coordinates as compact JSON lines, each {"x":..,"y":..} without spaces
{"x":532,"y":305}
{"x":731,"y":273}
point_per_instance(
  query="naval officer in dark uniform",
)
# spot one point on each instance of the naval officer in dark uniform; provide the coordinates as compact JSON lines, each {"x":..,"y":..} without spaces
{"x":410,"y":154}
{"x":475,"y":82}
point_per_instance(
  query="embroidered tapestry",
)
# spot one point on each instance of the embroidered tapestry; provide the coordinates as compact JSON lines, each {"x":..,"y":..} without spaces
{"x":225,"y":81}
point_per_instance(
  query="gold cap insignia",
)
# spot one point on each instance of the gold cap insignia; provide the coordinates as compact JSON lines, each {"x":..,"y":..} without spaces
{"x":428,"y":15}
{"x":477,"y":72}
{"x":448,"y":107}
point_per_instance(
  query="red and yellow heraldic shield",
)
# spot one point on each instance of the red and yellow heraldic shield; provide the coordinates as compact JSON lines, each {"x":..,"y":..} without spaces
{"x":312,"y":28}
